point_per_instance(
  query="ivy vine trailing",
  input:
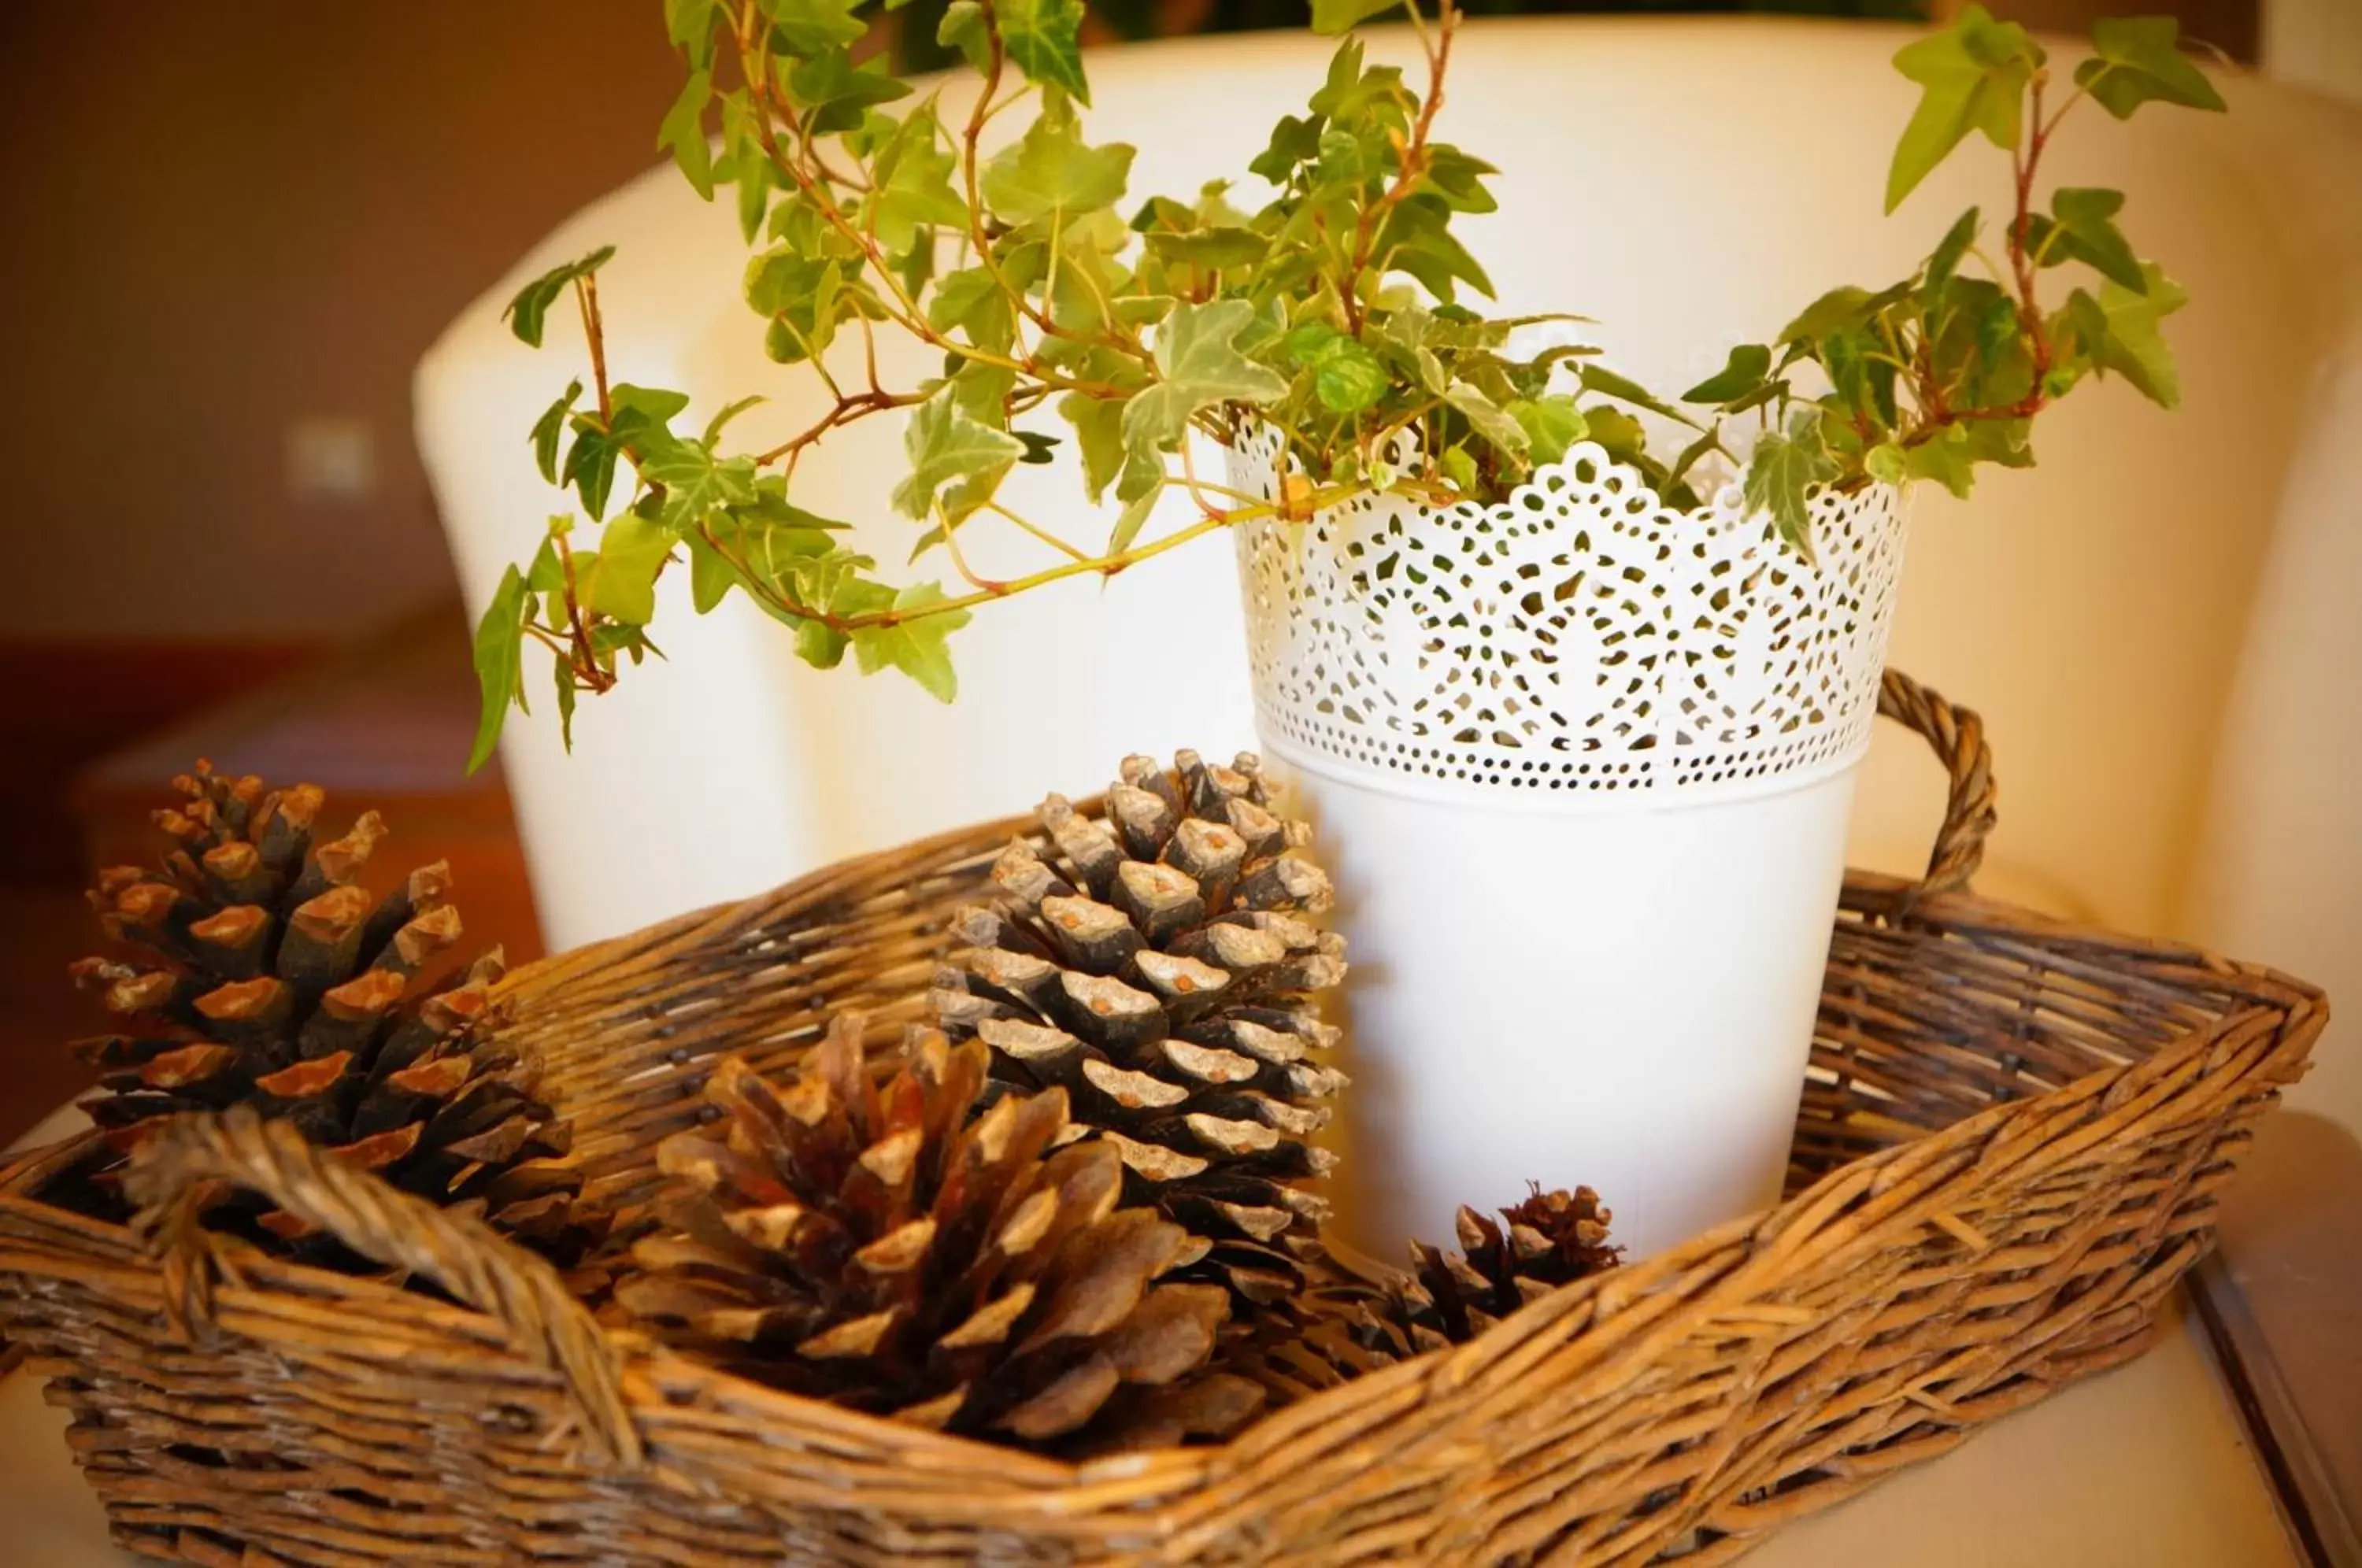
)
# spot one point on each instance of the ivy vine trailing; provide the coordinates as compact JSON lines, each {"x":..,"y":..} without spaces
{"x":1334,"y":311}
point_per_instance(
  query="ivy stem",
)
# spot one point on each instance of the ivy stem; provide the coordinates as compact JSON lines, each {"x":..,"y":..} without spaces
{"x":2024,"y":265}
{"x":1412,"y":163}
{"x":959,"y":558}
{"x":1043,"y":534}
{"x":2021,"y":258}
{"x":594,"y":332}
{"x":1107,"y":565}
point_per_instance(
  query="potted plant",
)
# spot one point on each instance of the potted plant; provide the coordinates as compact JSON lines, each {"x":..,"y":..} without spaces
{"x":1605,"y":657}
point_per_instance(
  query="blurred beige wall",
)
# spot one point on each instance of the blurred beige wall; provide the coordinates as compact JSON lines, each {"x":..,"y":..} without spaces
{"x":2315,"y":43}
{"x":232,"y":225}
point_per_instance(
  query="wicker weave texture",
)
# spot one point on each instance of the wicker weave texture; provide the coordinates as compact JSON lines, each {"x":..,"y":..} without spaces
{"x":2010,"y":1147}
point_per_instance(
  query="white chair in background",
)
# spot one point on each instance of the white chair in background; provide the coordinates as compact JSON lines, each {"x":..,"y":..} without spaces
{"x":1690,"y":183}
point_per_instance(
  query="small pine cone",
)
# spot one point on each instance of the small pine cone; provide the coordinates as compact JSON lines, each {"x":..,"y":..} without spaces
{"x":1155,"y":963}
{"x":255,"y":970}
{"x":1319,"y":1337}
{"x":1552,"y":1240}
{"x":883,"y":1248}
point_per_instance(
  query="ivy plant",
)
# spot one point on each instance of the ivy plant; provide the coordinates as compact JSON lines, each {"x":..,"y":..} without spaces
{"x":1332,"y":308}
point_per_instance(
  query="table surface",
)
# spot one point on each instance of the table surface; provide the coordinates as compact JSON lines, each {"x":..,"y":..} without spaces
{"x":2147,"y":1466}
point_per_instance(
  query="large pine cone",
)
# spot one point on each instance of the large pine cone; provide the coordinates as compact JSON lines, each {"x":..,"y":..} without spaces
{"x":881,"y":1248}
{"x":262,"y":973}
{"x":1158,"y":967}
{"x":1553,"y":1239}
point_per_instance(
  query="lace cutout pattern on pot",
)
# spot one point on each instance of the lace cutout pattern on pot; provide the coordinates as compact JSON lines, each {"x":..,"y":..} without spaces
{"x":1581,"y":635}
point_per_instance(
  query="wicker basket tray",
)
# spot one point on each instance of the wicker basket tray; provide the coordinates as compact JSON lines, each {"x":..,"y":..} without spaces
{"x":2009,"y":1149}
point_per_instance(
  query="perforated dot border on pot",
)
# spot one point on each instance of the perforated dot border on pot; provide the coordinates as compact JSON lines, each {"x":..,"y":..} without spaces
{"x":1579,"y":636}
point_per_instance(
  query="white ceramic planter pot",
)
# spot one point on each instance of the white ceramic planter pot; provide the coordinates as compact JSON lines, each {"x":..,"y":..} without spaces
{"x":1582,"y":767}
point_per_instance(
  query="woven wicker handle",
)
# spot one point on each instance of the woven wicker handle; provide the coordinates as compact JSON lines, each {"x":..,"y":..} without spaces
{"x":459,"y":1252}
{"x":1959,"y":738}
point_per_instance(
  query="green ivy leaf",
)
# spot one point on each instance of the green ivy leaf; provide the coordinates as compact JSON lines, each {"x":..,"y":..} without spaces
{"x":808,"y":28}
{"x":1209,"y":249}
{"x":803,"y":295}
{"x":1884,"y":463}
{"x":1132,"y":518}
{"x":2138,"y":61}
{"x":914,"y":647}
{"x":779,"y":546}
{"x":1349,"y":379}
{"x":1861,"y":379}
{"x":981,"y":390}
{"x":1293,"y":141}
{"x":1199,"y":365}
{"x":729,"y":410}
{"x":820,"y":644}
{"x":1945,"y":259}
{"x":527,"y":311}
{"x":1709,"y":440}
{"x":1784,"y":466}
{"x":696,"y":483}
{"x":750,"y":166}
{"x":1331,"y":18}
{"x":2134,"y":345}
{"x":1943,"y":459}
{"x":964,"y":30}
{"x":1551,"y":424}
{"x":1099,"y":435}
{"x":1489,"y":420}
{"x":838,"y":95}
{"x":1460,"y":179}
{"x":657,"y":405}
{"x":911,"y":182}
{"x":1951,"y":457}
{"x":690,"y":24}
{"x":549,"y":428}
{"x":1607,"y":383}
{"x":1346,"y":377}
{"x":971,"y":302}
{"x":1415,"y":241}
{"x":946,"y":447}
{"x":620,"y":581}
{"x":2083,"y":228}
{"x":682,"y":133}
{"x":500,"y":652}
{"x":1742,"y":372}
{"x":564,"y":675}
{"x":1051,"y":176}
{"x":1044,"y":42}
{"x":1460,"y":467}
{"x":547,"y":573}
{"x":1974,"y":76}
{"x":1834,"y":312}
{"x":1351,"y":93}
{"x":591,"y":465}
{"x":711,"y":578}
{"x":1617,"y":433}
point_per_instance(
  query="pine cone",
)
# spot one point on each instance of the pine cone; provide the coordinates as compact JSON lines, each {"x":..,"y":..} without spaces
{"x":1553,"y":1239}
{"x":264,"y":975}
{"x":1319,"y":1337}
{"x":881,"y":1248}
{"x":1157,"y":969}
